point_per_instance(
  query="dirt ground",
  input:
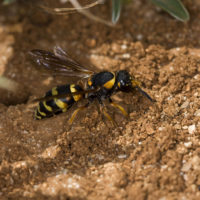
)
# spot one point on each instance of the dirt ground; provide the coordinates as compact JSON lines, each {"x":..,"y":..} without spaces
{"x":154,"y":154}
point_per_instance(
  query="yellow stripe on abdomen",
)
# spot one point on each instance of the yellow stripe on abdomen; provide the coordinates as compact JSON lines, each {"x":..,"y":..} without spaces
{"x":49,"y":108}
{"x":62,"y":105}
{"x":40,"y":112}
{"x":76,"y":97}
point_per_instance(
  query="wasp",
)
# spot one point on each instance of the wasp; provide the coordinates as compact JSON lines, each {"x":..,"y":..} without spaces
{"x":98,"y":86}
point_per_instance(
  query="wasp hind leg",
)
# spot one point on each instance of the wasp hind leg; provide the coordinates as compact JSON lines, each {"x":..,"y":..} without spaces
{"x":70,"y":121}
{"x":118,"y":107}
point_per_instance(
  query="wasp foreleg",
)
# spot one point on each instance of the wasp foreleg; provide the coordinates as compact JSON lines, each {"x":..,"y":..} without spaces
{"x":118,"y":106}
{"x":103,"y":110}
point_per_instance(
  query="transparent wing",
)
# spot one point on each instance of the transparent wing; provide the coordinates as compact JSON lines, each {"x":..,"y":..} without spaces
{"x":59,"y":63}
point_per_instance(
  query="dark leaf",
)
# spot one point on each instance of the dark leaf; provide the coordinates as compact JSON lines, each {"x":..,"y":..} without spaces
{"x":174,"y":8}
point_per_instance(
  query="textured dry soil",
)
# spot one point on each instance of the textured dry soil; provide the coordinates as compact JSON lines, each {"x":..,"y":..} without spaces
{"x":153,"y":154}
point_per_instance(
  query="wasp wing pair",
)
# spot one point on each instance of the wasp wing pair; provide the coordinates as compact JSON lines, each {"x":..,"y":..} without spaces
{"x":60,"y":63}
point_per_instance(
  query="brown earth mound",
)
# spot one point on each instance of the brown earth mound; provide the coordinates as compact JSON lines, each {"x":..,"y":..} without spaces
{"x":154,"y":154}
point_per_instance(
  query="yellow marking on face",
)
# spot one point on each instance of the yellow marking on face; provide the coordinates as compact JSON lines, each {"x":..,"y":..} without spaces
{"x":72,"y":88}
{"x":62,"y":105}
{"x":76,"y":97}
{"x":41,"y":113}
{"x":49,"y":108}
{"x":54,"y":91}
{"x":135,"y":83}
{"x":110,"y":83}
{"x":89,"y":82}
{"x":118,"y":84}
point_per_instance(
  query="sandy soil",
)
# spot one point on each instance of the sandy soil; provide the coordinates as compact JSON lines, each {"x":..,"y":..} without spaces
{"x":154,"y":154}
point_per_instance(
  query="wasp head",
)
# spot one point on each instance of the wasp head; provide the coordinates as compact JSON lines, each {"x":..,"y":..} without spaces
{"x":126,"y":82}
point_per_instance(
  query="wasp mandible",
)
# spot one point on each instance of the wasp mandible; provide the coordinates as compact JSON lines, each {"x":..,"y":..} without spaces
{"x":99,"y":86}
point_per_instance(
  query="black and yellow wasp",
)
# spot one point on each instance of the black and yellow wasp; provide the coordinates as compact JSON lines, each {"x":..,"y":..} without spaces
{"x":99,"y":86}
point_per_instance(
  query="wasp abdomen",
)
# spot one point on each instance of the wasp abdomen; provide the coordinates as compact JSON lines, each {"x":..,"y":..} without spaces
{"x":48,"y":108}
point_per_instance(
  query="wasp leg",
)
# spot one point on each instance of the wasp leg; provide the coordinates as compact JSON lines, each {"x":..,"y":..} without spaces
{"x":70,"y":121}
{"x":103,"y":109}
{"x":119,"y":107}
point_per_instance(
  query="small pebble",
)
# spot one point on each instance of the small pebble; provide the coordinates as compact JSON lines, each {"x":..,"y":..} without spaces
{"x":149,"y":129}
{"x":124,"y":46}
{"x":126,"y":55}
{"x":196,"y":76}
{"x":91,"y":43}
{"x":177,"y":126}
{"x":133,"y":163}
{"x":185,"y":176}
{"x":185,"y":104}
{"x":121,"y":156}
{"x":139,"y":37}
{"x":196,"y":94}
{"x":191,"y":128}
{"x":100,"y":157}
{"x":197,"y":113}
{"x":163,"y":198}
{"x":186,"y":167}
{"x":185,"y":127}
{"x":188,"y":144}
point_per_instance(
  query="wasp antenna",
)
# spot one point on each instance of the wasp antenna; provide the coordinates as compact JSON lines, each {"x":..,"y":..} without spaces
{"x":145,"y":94}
